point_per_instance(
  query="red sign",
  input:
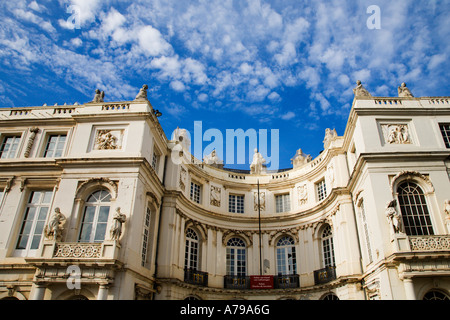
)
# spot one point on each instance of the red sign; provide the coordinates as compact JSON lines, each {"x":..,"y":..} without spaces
{"x":261,"y":282}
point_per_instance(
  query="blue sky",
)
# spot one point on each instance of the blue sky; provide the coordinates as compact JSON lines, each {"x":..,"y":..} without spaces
{"x":251,"y":64}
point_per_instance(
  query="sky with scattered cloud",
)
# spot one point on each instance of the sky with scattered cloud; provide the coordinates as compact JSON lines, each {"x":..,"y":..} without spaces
{"x":284,"y":65}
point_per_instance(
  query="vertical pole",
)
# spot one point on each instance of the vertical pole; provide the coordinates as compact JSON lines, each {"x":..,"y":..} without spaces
{"x":260,"y":246}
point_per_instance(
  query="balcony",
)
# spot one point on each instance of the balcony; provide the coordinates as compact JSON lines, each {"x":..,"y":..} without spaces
{"x":262,"y":282}
{"x":236,"y":282}
{"x":196,"y":277}
{"x":324,"y":275}
{"x":286,"y":281}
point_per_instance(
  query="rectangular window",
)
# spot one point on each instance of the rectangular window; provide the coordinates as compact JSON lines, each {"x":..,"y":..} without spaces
{"x":321,"y":190}
{"x":366,"y":230}
{"x":195,"y":192}
{"x":282,"y":203}
{"x":55,"y":146}
{"x":445,"y":130}
{"x":146,"y":237}
{"x":9,"y":147}
{"x":155,"y":159}
{"x":236,"y":203}
{"x":33,"y":221}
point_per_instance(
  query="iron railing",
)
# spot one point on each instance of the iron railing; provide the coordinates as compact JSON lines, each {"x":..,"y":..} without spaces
{"x":196,"y":277}
{"x":325,"y":275}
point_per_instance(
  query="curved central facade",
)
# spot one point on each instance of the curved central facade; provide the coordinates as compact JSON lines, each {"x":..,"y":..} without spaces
{"x":97,"y":203}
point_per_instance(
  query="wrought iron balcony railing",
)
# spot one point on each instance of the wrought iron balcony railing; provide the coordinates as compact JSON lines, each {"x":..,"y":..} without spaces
{"x":286,"y":281}
{"x":196,"y":277}
{"x":324,"y":275}
{"x":236,"y":282}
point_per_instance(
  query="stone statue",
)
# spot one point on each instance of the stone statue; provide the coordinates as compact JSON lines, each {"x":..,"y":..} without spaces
{"x":360,"y":91}
{"x":116,"y":229}
{"x":403,"y":91}
{"x":257,"y":163}
{"x":213,"y":160}
{"x":329,"y":135}
{"x":55,"y":226}
{"x":142,"y":95}
{"x":394,"y":217}
{"x":300,"y":158}
{"x":99,"y":95}
{"x":447,"y":214}
{"x":182,"y":135}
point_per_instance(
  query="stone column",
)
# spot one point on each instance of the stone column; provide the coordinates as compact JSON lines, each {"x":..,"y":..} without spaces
{"x":102,"y":291}
{"x":409,"y":289}
{"x":39,"y":291}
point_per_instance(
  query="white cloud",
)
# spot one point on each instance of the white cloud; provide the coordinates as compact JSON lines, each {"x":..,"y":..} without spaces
{"x":152,"y":41}
{"x":288,"y":116}
{"x":177,"y":86}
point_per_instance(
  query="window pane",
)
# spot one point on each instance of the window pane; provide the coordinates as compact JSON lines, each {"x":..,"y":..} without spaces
{"x":103,"y":214}
{"x":100,"y":232}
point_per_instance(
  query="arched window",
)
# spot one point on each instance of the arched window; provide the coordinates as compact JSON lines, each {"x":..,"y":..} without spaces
{"x":414,"y":210}
{"x":330,"y":296}
{"x":286,"y":259}
{"x":95,"y":217}
{"x":236,"y":257}
{"x":327,"y":247}
{"x":435,"y":295}
{"x":192,"y":249}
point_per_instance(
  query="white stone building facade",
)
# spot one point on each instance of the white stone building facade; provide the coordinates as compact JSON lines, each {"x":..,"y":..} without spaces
{"x":97,"y":203}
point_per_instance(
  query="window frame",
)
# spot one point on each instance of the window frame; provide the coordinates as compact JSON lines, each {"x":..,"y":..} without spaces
{"x":445,"y":132}
{"x":285,"y":202}
{"x":237,"y":205}
{"x":412,"y":223}
{"x":286,"y":265}
{"x":35,"y":222}
{"x":327,"y":244}
{"x":192,"y":250}
{"x":17,"y":137}
{"x":146,"y":236}
{"x":196,"y":195}
{"x":236,"y":257}
{"x":97,"y":205}
{"x":46,"y":144}
{"x":321,"y":190}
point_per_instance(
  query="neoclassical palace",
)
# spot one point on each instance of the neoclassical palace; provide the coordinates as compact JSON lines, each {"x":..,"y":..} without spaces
{"x":96,"y":202}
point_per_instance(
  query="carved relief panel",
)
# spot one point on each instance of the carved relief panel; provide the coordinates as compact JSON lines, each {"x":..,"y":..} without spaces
{"x":107,"y":138}
{"x":302,"y":194}
{"x":215,"y":196}
{"x":396,"y":133}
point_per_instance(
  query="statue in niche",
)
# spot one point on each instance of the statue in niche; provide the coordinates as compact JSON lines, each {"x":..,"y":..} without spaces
{"x":118,"y":220}
{"x":394,"y":218}
{"x":403,"y":91}
{"x":55,"y":227}
{"x":257,"y":164}
{"x":106,"y":140}
{"x":142,"y":95}
{"x":360,"y":91}
{"x":99,"y":96}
